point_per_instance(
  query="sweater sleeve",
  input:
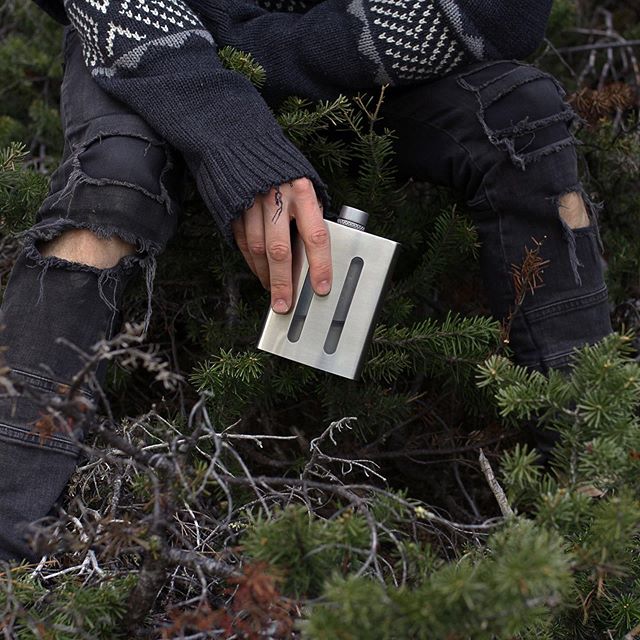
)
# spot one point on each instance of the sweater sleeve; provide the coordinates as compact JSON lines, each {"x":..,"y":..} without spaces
{"x":344,"y":46}
{"x":158,"y":58}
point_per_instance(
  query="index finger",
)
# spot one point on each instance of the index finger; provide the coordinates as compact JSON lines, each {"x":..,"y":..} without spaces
{"x":315,"y":235}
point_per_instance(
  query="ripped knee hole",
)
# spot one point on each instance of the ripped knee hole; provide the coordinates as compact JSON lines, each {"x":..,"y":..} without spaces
{"x":85,"y":247}
{"x":573,"y":211}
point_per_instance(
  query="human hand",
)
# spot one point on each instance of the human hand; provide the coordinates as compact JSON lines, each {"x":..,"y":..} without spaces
{"x":263,"y":237}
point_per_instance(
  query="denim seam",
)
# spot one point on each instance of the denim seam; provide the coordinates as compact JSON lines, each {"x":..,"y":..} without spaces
{"x":43,"y":383}
{"x":55,"y":443}
{"x":558,"y":308}
{"x":554,"y":361}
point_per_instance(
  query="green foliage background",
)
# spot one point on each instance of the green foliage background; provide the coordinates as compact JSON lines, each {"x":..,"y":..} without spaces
{"x":437,"y":387}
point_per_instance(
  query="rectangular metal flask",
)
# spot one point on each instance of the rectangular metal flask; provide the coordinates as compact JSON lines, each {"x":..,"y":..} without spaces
{"x":333,"y":332}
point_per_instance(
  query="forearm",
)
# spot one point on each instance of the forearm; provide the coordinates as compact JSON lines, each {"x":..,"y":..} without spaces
{"x":344,"y":46}
{"x":158,"y":58}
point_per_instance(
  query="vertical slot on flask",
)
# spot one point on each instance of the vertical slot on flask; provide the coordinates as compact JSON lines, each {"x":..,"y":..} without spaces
{"x":344,"y":303}
{"x":301,"y":311}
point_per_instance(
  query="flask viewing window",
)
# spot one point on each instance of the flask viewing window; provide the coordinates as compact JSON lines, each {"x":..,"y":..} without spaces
{"x":344,"y":303}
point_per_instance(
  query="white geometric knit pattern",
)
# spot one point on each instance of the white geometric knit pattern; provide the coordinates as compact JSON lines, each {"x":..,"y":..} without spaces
{"x":405,"y":40}
{"x":112,"y":30}
{"x":414,"y":39}
{"x":88,"y":29}
{"x":475,"y":44}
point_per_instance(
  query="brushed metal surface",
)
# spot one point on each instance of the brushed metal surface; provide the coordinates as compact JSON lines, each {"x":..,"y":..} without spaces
{"x":379,"y":255}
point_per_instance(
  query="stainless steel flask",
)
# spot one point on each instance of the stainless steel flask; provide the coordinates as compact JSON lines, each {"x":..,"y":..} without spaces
{"x":333,"y":332}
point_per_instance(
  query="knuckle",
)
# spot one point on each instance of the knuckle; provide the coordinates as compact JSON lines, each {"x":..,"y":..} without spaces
{"x":256,"y":248}
{"x":279,"y":288}
{"x":319,"y":237}
{"x":303,"y":186}
{"x":279,"y":252}
{"x":322,"y":271}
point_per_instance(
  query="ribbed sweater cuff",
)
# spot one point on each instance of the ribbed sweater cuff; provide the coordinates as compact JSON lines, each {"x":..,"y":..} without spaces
{"x":232,"y":175}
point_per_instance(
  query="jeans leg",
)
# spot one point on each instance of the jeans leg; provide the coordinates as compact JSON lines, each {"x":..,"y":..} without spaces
{"x":116,"y":179}
{"x":499,"y":134}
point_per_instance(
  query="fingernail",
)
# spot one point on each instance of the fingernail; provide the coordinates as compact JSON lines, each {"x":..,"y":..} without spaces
{"x":280,"y":306}
{"x":324,"y":287}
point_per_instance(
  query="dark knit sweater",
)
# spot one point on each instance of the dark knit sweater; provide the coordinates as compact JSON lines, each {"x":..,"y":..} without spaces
{"x":159,"y":57}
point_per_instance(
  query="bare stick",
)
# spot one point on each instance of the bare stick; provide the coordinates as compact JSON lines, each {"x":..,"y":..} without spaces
{"x":598,"y":46}
{"x":191,"y":560}
{"x":497,"y":490}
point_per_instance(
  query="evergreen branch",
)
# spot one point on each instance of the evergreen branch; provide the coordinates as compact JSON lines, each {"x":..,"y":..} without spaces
{"x":243,"y":63}
{"x":11,"y":158}
{"x":452,"y":239}
{"x":302,"y":121}
{"x":457,"y":339}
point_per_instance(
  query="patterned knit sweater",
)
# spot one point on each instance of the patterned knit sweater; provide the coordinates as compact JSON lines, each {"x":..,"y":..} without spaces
{"x":159,"y":57}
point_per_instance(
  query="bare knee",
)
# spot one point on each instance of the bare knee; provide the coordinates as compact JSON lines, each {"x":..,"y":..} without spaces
{"x":573,"y":211}
{"x":85,"y":247}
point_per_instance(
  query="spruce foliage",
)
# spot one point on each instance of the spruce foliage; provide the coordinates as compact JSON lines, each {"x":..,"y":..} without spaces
{"x":228,"y":493}
{"x":21,"y":190}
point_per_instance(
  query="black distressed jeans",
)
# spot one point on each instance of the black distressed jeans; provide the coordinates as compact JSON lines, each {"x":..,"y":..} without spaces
{"x":498,"y":133}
